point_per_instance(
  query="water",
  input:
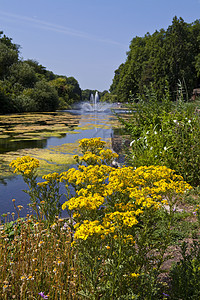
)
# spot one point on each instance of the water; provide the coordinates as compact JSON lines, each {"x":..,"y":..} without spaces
{"x":95,"y":106}
{"x":91,"y":124}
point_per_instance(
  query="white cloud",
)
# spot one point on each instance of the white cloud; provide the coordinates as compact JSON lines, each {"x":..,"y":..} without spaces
{"x":55,"y":28}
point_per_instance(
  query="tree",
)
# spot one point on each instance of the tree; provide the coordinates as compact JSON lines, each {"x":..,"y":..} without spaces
{"x":5,"y":100}
{"x":86,"y":94}
{"x":68,"y":90}
{"x":22,"y":73}
{"x":45,"y":96}
{"x":28,"y":86}
{"x":8,"y":57}
{"x":113,"y":87}
{"x":170,"y":55}
{"x":180,"y":52}
{"x":40,"y":70}
{"x":73,"y":89}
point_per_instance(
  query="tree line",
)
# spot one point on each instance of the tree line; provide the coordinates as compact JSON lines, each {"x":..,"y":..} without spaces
{"x":26,"y":85}
{"x":165,"y":57}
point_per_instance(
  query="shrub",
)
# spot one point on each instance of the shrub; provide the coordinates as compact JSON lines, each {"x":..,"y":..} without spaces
{"x":167,"y":134}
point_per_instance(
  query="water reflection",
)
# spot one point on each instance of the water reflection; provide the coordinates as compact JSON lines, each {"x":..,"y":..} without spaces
{"x":7,"y":145}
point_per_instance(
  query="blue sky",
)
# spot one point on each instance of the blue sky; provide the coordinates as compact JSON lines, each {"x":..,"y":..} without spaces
{"x":86,"y":39}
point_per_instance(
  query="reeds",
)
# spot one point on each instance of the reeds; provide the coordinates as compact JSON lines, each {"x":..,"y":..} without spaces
{"x":37,"y":259}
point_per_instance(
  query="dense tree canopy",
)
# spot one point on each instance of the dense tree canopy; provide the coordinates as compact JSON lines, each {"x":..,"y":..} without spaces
{"x":170,"y":55}
{"x":86,"y":94}
{"x":28,"y":86}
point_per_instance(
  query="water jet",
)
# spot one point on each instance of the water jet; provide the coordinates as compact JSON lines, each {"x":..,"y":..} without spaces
{"x":94,"y":105}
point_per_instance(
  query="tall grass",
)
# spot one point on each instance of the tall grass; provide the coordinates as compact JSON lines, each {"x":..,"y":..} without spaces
{"x":35,"y":258}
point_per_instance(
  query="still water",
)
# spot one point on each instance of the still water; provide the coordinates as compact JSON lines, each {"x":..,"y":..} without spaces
{"x":90,"y":125}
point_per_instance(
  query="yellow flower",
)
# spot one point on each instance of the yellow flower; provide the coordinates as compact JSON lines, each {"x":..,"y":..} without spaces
{"x":25,"y":165}
{"x":23,"y":277}
{"x":90,"y":202}
{"x":135,"y":275}
{"x":88,"y":228}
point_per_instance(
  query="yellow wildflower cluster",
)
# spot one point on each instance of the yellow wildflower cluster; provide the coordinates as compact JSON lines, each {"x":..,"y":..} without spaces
{"x":123,"y":195}
{"x":25,"y":165}
{"x":121,"y":218}
{"x":111,"y":224}
{"x":93,"y":145}
{"x":104,"y":157}
{"x":107,"y":155}
{"x":90,"y":158}
{"x":89,"y":175}
{"x":50,"y":178}
{"x":88,"y":228}
{"x":89,"y":202}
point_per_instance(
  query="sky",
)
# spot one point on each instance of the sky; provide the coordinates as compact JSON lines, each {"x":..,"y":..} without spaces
{"x":86,"y":39}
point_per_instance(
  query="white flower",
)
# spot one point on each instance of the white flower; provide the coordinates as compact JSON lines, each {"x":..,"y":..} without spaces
{"x":65,"y":226}
{"x":151,"y":148}
{"x":175,"y":121}
{"x":155,"y":132}
{"x":165,"y":148}
{"x":189,"y":121}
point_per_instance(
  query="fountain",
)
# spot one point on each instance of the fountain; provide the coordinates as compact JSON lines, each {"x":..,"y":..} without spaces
{"x":94,"y":105}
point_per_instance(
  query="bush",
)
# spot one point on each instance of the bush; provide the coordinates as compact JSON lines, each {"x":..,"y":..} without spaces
{"x":165,"y":133}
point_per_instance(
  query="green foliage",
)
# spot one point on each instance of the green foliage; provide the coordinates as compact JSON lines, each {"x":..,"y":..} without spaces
{"x":171,"y":55}
{"x":44,"y":96}
{"x":87,"y":93}
{"x":109,"y":98}
{"x":24,"y":103}
{"x":68,"y":90}
{"x":5,"y":101}
{"x":163,"y":133}
{"x":28,"y":86}
{"x":8,"y":56}
{"x":185,"y":274}
{"x":23,"y":74}
{"x":40,"y":70}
